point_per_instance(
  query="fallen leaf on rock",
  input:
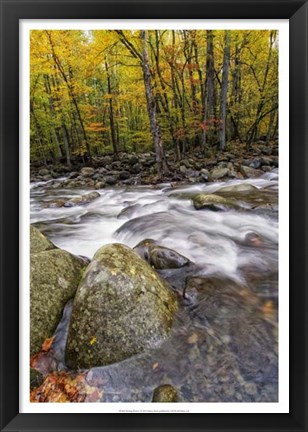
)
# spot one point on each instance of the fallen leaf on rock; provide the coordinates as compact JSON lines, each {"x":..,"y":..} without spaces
{"x":93,"y":340}
{"x":193,"y":338}
{"x":267,"y":308}
{"x":47,"y":344}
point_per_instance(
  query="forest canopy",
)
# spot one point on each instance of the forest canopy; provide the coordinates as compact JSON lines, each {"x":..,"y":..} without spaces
{"x":107,"y":91}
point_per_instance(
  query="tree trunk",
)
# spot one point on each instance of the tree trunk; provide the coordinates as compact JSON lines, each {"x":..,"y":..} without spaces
{"x":224,"y":90}
{"x":111,"y":116}
{"x":66,"y":145}
{"x":151,"y":107}
{"x":209,"y":102}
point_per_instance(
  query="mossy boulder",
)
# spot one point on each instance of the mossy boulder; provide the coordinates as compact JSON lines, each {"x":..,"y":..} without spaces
{"x":54,"y":278}
{"x":211,"y":202}
{"x":38,"y":242}
{"x":121,"y":308}
{"x":165,"y":393}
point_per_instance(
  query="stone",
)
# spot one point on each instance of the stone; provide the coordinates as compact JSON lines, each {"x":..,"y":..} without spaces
{"x":38,"y":242}
{"x":82,"y":199}
{"x":165,"y":393}
{"x":256,"y":163}
{"x":204,"y":174}
{"x":250,"y":172}
{"x":87,"y":171}
{"x":54,"y":278}
{"x":211,"y":202}
{"x":110,"y":180}
{"x":124,"y":175}
{"x":121,"y":308}
{"x":161,"y":257}
{"x":43,"y":171}
{"x":56,"y":204}
{"x":239,"y":187}
{"x":142,"y":248}
{"x":219,"y":173}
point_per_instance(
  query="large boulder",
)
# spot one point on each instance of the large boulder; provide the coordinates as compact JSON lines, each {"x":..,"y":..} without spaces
{"x":54,"y":278}
{"x":121,"y":308}
{"x":38,"y":242}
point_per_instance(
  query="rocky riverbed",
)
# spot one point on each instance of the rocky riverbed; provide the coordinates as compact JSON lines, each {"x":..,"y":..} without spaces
{"x":187,"y":278}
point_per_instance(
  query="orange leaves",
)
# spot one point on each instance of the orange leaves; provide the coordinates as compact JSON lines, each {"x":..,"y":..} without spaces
{"x":193,"y":338}
{"x":47,"y":344}
{"x":96,"y":127}
{"x":62,"y":387}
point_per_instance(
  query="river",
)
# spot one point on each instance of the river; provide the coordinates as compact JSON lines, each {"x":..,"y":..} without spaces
{"x":223,"y":346}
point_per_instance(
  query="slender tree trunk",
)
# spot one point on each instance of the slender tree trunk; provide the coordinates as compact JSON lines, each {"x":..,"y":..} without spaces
{"x":209,"y":102}
{"x":66,"y":145}
{"x":151,"y":106}
{"x":224,"y":90}
{"x":111,"y":116}
{"x":236,"y":94}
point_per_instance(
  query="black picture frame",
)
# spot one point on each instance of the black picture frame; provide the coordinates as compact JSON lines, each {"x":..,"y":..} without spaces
{"x":11,"y":12}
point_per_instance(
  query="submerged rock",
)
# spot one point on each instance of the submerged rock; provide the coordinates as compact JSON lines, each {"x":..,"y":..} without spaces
{"x":121,"y":308}
{"x":165,"y":393}
{"x":54,"y":278}
{"x":82,"y":200}
{"x":211,"y":202}
{"x":239,"y":187}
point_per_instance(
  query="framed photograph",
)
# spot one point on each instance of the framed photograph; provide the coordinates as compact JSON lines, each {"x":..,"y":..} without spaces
{"x":153,"y":215}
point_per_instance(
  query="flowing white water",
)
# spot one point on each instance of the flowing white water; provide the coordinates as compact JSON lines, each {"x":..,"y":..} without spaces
{"x":217,"y":241}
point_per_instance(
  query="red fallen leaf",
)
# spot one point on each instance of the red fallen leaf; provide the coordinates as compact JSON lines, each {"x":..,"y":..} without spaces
{"x":47,"y":344}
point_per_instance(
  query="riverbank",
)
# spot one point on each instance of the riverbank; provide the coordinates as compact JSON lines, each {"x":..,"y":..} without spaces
{"x":140,"y":169}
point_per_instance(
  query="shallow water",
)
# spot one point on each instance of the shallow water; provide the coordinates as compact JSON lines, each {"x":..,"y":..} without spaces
{"x":223,"y":345}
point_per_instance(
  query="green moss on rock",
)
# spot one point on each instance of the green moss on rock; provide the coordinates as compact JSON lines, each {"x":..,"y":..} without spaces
{"x":54,"y":278}
{"x":165,"y":393}
{"x":38,"y":242}
{"x":121,"y":308}
{"x":211,"y":202}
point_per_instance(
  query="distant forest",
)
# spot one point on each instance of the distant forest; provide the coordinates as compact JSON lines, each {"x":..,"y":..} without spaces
{"x":108,"y":91}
